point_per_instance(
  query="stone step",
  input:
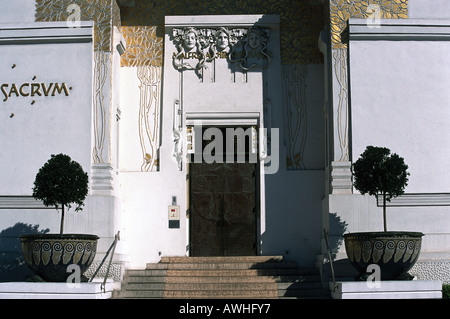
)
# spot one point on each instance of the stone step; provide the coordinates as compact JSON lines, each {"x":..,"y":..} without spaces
{"x":146,"y":286}
{"x":305,"y":294}
{"x":146,"y":273}
{"x":204,"y":286}
{"x":134,"y":294}
{"x":235,"y":273}
{"x":210,"y":279}
{"x":222,"y":265}
{"x":195,"y":295}
{"x":217,"y":294}
{"x":222,"y":259}
{"x":299,"y":285}
{"x":143,"y":279}
{"x":222,"y":277}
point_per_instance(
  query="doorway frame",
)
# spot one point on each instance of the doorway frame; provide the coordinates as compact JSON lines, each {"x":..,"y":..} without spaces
{"x":228,"y":119}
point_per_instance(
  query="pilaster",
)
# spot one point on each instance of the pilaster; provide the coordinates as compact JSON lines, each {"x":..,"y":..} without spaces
{"x":336,"y":53}
{"x":103,"y":206}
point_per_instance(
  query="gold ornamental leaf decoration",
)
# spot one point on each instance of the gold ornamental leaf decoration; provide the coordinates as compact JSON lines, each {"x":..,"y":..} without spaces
{"x":300,"y":26}
{"x":342,"y":10}
{"x":104,"y":13}
{"x":144,"y":48}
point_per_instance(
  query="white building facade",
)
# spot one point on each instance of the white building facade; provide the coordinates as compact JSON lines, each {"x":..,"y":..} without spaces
{"x":225,"y":129}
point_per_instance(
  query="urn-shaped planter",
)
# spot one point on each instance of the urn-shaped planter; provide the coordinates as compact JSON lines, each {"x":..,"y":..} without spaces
{"x":50,"y":255}
{"x":60,"y":182}
{"x":394,"y":252}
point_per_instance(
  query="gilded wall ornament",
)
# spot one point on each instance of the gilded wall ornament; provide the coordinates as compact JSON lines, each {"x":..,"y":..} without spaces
{"x":105,"y":14}
{"x":300,"y":25}
{"x":149,"y":119}
{"x":342,"y":10}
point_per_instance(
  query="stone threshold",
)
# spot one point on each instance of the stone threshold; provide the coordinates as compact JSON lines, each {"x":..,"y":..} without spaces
{"x":53,"y":290}
{"x":401,"y":289}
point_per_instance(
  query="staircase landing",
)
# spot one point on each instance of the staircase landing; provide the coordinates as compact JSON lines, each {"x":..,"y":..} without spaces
{"x":249,"y":277}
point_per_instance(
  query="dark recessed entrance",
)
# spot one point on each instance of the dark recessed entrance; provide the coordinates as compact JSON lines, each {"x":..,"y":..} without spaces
{"x":223,"y":206}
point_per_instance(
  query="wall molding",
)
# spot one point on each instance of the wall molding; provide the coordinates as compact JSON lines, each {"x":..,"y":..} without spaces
{"x":399,"y":29}
{"x":417,"y":199}
{"x":222,"y":118}
{"x":249,"y":20}
{"x":21,"y":202}
{"x":45,"y":32}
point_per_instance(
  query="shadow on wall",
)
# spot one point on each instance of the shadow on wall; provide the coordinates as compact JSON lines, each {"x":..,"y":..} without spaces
{"x":342,"y":267}
{"x":336,"y":231}
{"x":12,"y":264}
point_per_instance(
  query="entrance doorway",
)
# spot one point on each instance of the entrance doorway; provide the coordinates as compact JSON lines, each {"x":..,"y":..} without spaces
{"x":223,"y":207}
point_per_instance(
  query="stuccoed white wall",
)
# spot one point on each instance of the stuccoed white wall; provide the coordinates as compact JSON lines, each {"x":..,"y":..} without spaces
{"x":426,"y":9}
{"x":292,"y":225}
{"x":399,"y":99}
{"x":147,"y":195}
{"x":53,"y":124}
{"x":32,"y":131}
{"x":17,"y":11}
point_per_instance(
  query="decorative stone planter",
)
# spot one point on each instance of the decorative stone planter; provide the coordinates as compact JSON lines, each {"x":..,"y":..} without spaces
{"x":394,"y":252}
{"x":49,"y":255}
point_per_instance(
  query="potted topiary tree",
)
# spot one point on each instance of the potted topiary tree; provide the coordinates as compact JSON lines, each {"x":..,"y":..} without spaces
{"x":60,"y":182}
{"x":379,"y":173}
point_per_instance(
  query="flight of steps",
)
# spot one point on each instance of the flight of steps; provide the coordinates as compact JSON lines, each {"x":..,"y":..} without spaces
{"x":255,"y":277}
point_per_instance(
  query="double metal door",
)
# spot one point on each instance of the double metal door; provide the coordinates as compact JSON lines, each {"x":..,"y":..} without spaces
{"x":222,"y":209}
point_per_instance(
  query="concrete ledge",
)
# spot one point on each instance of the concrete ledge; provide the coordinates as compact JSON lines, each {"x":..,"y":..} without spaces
{"x":47,"y":290}
{"x":243,"y":20}
{"x":399,"y":29}
{"x":45,"y":32}
{"x":413,"y":289}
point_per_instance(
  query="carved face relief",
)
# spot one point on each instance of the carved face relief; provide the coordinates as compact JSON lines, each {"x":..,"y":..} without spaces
{"x":246,"y":47}
{"x":222,"y":41}
{"x":189,"y":40}
{"x":254,"y":40}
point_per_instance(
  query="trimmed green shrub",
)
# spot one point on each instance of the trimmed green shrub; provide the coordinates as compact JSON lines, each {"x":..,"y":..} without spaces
{"x":378,"y":172}
{"x":61,"y":182}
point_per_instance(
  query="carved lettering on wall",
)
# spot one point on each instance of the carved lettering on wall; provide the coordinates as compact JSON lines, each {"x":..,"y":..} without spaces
{"x":33,"y":89}
{"x":247,"y":47}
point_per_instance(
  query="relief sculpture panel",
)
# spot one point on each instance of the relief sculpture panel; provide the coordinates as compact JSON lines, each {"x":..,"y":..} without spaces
{"x":247,"y":47}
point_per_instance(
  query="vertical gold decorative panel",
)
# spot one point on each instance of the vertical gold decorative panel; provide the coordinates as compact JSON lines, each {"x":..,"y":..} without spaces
{"x":341,"y":103}
{"x":100,"y":108}
{"x":149,"y":115}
